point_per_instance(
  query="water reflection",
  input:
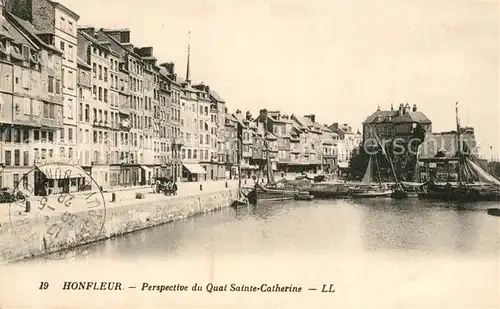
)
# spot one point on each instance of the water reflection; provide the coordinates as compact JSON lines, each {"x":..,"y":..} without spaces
{"x":432,"y":227}
{"x":319,"y":227}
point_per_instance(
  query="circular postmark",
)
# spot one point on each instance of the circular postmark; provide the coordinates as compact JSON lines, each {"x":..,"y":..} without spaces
{"x":58,"y":208}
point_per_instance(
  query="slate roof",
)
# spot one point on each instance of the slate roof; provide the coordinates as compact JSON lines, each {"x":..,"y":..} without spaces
{"x":394,"y":117}
{"x":93,"y":40}
{"x":216,"y":96}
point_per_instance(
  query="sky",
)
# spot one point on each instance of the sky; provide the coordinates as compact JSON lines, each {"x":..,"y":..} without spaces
{"x":337,"y":60}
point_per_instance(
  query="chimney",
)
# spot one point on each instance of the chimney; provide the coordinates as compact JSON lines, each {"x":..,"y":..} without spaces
{"x":21,"y":8}
{"x":248,"y":116}
{"x":401,"y":109}
{"x":263,"y":113}
{"x":144,"y":51}
{"x":169,"y":66}
{"x":238,"y":112}
{"x":121,"y":35}
{"x":392,"y":107}
{"x":414,"y":107}
{"x":406,"y":108}
{"x":311,"y":117}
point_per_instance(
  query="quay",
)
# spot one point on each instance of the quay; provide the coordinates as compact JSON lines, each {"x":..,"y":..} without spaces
{"x":126,"y":214}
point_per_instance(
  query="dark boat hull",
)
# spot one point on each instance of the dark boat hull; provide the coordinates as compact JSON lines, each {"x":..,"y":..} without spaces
{"x":461,"y":194}
{"x":494,"y":212}
{"x":304,"y":197}
{"x":274,"y":194}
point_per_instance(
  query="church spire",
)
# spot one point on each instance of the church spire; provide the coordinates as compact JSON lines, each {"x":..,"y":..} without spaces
{"x":189,"y":54}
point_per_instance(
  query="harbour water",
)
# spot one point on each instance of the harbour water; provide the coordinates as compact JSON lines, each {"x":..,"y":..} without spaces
{"x":376,"y":252}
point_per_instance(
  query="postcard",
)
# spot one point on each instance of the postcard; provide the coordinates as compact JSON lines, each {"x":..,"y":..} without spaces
{"x":249,"y":154}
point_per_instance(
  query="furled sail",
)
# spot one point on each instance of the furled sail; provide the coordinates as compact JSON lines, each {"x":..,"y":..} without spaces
{"x":483,"y":175}
{"x":367,"y":179}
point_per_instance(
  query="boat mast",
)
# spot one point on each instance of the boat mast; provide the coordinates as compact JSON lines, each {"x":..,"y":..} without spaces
{"x":268,"y":156}
{"x":378,"y":171}
{"x":238,"y":152}
{"x":459,"y":144}
{"x":398,"y":183}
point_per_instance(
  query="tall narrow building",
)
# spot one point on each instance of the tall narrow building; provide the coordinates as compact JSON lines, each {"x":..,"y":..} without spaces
{"x":55,"y":24}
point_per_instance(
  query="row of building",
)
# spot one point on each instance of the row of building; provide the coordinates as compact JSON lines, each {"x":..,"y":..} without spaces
{"x":90,"y":98}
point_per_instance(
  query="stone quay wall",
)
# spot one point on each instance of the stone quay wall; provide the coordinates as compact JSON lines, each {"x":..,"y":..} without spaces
{"x":119,"y":219}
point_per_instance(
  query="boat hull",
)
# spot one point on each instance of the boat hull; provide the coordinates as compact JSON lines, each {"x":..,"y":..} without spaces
{"x":461,"y":194}
{"x":274,"y":194}
{"x":329,"y":190}
{"x":371,"y":193}
{"x":304,"y":197}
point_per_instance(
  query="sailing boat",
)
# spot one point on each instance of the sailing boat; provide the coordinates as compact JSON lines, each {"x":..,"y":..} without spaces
{"x":408,"y":189}
{"x":367,"y":188}
{"x":270,"y":191}
{"x":474,"y":183}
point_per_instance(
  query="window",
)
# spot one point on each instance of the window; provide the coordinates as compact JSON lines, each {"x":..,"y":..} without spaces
{"x":27,"y":106}
{"x":70,"y":26}
{"x":70,"y":108}
{"x":61,"y":135}
{"x":8,"y":157}
{"x":70,"y":52}
{"x":26,"y":135}
{"x":26,"y":158}
{"x":106,"y":95}
{"x":17,"y":135}
{"x":62,"y":47}
{"x":51,"y":84}
{"x":62,"y":22}
{"x":87,"y":113}
{"x":105,"y":74}
{"x":17,"y":157}
{"x":94,"y":69}
{"x":58,"y":86}
{"x":70,"y":134}
{"x":51,"y":137}
{"x":62,"y":77}
{"x":70,"y":79}
{"x":36,"y":107}
{"x":16,"y":180}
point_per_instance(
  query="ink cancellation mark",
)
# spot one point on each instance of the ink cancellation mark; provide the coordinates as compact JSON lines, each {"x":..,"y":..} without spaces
{"x":61,"y":206}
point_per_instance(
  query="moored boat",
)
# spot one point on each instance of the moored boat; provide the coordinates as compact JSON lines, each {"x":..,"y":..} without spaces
{"x":474,"y":183}
{"x":493,"y":212}
{"x":367,"y":188}
{"x":371,"y":191}
{"x":304,"y":196}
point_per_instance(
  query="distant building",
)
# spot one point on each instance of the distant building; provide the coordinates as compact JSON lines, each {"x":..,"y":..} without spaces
{"x":347,"y":143}
{"x":438,"y":154}
{"x":395,"y":123}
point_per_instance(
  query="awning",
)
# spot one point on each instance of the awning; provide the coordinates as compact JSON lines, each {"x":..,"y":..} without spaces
{"x":194,"y":168}
{"x":147,"y":169}
{"x":57,"y":171}
{"x":343,"y":164}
